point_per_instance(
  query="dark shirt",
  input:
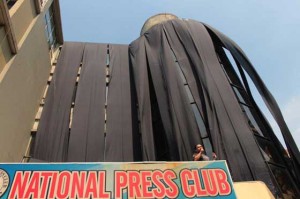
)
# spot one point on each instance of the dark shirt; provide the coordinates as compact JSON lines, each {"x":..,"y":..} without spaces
{"x":203,"y":157}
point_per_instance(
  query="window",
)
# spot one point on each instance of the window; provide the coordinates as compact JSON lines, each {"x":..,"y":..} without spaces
{"x":10,"y":3}
{"x":182,"y":77}
{"x":285,"y":182}
{"x":199,"y":121}
{"x":238,"y":94}
{"x":208,"y":147}
{"x":198,"y":117}
{"x":234,"y":76}
{"x":251,"y":119}
{"x":275,"y":158}
{"x":269,"y":152}
{"x":50,"y":28}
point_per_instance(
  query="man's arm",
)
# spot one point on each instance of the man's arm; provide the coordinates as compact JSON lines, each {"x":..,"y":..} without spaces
{"x":197,"y":156}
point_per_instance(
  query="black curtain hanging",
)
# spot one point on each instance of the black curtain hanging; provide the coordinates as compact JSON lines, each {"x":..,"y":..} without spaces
{"x":193,"y":48}
{"x":140,"y":102}
{"x":87,"y":140}
{"x":53,"y":131}
{"x":121,"y":130}
{"x":268,"y":98}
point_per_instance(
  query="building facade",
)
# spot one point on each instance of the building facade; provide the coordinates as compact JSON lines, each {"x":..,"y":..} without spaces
{"x":30,"y":31}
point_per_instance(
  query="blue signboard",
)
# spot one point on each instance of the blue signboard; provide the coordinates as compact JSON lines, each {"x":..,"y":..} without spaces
{"x":117,"y":180}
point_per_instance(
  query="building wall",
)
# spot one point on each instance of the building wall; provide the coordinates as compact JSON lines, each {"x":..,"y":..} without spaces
{"x":22,"y":15}
{"x":22,"y":79}
{"x":5,"y":53}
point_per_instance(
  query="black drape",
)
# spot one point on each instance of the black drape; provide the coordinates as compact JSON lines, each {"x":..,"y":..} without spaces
{"x":140,"y":72}
{"x":90,"y":139}
{"x":53,"y":131}
{"x":151,"y":55}
{"x":144,"y":112}
{"x":121,"y":135}
{"x":87,"y":132}
{"x":268,"y":98}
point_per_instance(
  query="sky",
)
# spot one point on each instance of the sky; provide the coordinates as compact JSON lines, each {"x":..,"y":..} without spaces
{"x":267,"y":31}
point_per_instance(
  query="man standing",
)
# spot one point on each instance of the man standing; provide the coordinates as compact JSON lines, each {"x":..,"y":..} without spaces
{"x":199,"y":154}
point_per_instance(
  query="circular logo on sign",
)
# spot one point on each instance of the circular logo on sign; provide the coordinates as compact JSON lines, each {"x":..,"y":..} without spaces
{"x":4,"y":181}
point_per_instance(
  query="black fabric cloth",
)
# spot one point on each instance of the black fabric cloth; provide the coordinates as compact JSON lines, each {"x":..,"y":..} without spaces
{"x":268,"y":98}
{"x":176,"y":113}
{"x":140,"y":72}
{"x":53,"y":131}
{"x":149,"y":113}
{"x":87,"y":140}
{"x":194,"y":50}
{"x":121,"y":136}
{"x":240,"y":147}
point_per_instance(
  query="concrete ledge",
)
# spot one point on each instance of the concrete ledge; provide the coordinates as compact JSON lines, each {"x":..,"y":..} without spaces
{"x":252,"y":190}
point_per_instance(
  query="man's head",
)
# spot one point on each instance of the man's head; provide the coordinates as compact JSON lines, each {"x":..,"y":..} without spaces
{"x":199,"y":148}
